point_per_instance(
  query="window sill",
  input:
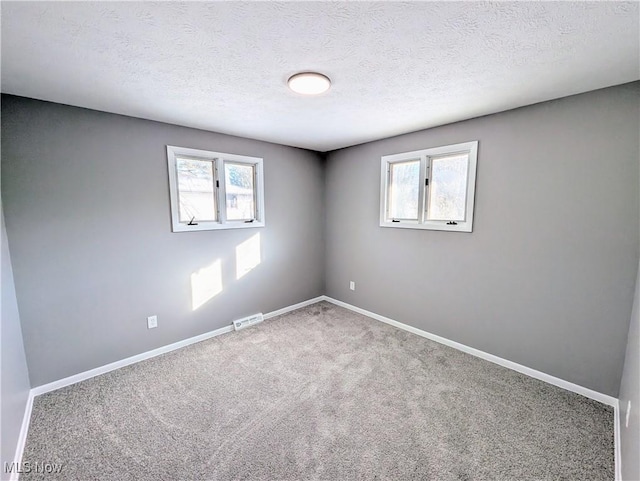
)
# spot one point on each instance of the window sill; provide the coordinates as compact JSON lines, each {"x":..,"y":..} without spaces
{"x":217,"y":226}
{"x":460,"y":227}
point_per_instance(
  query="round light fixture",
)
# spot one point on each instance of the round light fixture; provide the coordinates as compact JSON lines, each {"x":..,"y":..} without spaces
{"x":309,"y":83}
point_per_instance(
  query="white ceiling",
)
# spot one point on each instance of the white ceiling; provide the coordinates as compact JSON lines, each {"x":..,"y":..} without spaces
{"x":395,"y":67}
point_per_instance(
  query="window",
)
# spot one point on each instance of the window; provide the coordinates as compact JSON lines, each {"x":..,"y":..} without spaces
{"x":429,"y":189}
{"x":213,"y":190}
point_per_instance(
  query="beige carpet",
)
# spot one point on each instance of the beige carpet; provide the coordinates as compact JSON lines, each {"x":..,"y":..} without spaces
{"x":320,"y":393}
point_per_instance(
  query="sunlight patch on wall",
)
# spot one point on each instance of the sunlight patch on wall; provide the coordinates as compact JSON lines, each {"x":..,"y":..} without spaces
{"x":247,"y":255}
{"x":206,"y":284}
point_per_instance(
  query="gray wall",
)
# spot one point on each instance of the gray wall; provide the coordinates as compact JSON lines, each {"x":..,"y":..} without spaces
{"x":87,"y":212}
{"x":14,"y":389}
{"x":630,"y":391}
{"x":546,"y":279}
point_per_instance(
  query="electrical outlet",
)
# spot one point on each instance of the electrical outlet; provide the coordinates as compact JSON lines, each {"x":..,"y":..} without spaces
{"x":152,"y":321}
{"x":352,"y":285}
{"x":626,"y":422}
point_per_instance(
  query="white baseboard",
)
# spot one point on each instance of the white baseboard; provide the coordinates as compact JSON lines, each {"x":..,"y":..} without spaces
{"x":569,"y":386}
{"x":67,"y":381}
{"x":22,"y":437}
{"x":616,"y":441}
{"x":603,"y":398}
{"x":293,"y":307}
{"x":82,"y":376}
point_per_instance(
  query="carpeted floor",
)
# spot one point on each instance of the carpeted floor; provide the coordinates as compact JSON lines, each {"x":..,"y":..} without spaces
{"x":319,"y":393}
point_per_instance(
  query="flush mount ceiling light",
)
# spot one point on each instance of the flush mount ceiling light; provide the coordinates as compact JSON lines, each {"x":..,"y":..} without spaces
{"x":309,"y":83}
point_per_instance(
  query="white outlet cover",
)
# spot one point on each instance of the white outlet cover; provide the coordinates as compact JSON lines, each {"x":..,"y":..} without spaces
{"x":626,"y":422}
{"x":152,"y":321}
{"x":352,"y":285}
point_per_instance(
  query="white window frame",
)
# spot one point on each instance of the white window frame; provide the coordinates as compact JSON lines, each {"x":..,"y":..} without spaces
{"x":218,"y":159}
{"x":425,"y":156}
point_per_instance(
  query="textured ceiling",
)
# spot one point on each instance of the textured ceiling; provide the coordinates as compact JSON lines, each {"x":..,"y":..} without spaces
{"x":396,"y":67}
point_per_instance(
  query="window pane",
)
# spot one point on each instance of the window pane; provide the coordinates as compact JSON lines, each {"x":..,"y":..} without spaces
{"x":239,"y":186}
{"x":448,"y":187}
{"x":195,"y":190}
{"x":404,"y":190}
